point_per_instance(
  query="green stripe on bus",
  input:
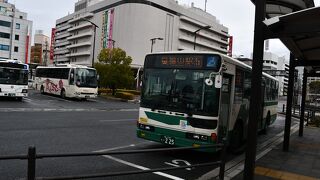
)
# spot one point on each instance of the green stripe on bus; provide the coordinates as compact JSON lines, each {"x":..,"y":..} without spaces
{"x":166,"y":119}
{"x":271,"y":103}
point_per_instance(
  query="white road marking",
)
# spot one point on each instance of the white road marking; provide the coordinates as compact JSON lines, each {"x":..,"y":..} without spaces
{"x":117,"y":120}
{"x":135,"y":165}
{"x":62,"y":110}
{"x":176,"y":162}
{"x":115,"y":148}
{"x":142,"y":168}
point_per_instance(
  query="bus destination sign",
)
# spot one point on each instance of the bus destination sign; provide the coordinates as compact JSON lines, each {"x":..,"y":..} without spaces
{"x":182,"y":61}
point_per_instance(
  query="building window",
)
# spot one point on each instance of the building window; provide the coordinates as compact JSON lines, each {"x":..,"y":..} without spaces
{"x":17,"y":26}
{"x":16,"y":37}
{"x":4,"y":47}
{"x":4,"y":35}
{"x":16,"y":49}
{"x":21,"y":17}
{"x":5,"y":23}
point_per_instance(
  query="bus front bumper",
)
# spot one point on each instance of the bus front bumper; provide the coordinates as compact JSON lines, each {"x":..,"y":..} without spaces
{"x":85,"y":96}
{"x":175,"y":141}
{"x":4,"y":94}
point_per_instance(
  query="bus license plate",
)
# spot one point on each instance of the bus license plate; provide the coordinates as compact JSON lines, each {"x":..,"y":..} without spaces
{"x":167,"y":140}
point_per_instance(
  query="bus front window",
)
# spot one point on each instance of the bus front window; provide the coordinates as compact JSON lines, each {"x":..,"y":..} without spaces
{"x":86,"y":78}
{"x":179,"y":90}
{"x":13,"y":76}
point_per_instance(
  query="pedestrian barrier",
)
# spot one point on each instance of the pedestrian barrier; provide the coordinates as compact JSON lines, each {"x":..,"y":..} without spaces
{"x":32,"y":156}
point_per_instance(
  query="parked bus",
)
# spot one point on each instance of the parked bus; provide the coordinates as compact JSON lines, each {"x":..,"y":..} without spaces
{"x":198,"y":98}
{"x":13,"y":79}
{"x":72,"y":81}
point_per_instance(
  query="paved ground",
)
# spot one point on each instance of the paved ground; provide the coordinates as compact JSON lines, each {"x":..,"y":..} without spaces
{"x":55,"y":125}
{"x":302,"y":162}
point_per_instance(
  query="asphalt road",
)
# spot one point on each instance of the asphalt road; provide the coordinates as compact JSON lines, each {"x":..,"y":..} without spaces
{"x":55,"y":125}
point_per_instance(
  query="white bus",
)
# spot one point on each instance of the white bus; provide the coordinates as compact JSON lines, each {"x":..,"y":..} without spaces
{"x":198,"y":98}
{"x":13,"y":79}
{"x":72,"y":81}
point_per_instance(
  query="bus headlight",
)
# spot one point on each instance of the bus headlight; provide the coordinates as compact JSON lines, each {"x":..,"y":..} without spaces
{"x":198,"y":137}
{"x":24,"y":90}
{"x":146,"y":127}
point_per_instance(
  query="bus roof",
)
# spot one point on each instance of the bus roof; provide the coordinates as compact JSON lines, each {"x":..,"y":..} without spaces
{"x":66,"y":66}
{"x":10,"y":61}
{"x":225,"y":57}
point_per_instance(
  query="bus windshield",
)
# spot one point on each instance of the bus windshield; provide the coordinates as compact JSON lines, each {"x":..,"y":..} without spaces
{"x":179,"y":90}
{"x":86,"y":78}
{"x":13,"y":76}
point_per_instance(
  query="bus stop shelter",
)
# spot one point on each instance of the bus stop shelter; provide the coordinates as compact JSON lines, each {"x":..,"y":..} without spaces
{"x":297,"y":24}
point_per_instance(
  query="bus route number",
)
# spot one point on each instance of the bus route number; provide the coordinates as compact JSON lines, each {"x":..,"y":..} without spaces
{"x":167,"y":140}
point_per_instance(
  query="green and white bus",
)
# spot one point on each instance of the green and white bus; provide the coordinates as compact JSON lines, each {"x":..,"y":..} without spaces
{"x":198,"y":98}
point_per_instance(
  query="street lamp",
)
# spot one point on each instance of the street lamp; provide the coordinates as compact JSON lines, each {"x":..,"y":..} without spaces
{"x":94,"y":38}
{"x":153,"y":41}
{"x":113,"y":42}
{"x":195,"y":35}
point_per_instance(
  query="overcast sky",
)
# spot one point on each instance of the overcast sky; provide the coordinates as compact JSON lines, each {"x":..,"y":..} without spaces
{"x":237,"y":15}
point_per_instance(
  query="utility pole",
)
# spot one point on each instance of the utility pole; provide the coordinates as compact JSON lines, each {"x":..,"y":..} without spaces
{"x":195,"y":35}
{"x":46,"y":54}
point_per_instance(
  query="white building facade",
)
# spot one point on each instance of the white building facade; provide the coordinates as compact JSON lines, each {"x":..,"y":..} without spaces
{"x":15,"y":33}
{"x":130,"y":25}
{"x":273,"y":62}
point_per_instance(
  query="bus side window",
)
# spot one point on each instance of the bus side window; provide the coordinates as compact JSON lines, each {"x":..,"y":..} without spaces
{"x":71,"y":80}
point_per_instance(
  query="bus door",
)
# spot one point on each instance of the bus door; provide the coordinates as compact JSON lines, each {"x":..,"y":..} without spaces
{"x":263,"y":98}
{"x":225,"y":99}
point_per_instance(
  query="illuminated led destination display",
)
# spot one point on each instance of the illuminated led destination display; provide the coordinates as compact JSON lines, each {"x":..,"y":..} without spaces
{"x":183,"y":61}
{"x":191,"y":62}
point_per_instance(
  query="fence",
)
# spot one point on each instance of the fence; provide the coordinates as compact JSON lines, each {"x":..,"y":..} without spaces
{"x":310,"y":111}
{"x":32,"y":156}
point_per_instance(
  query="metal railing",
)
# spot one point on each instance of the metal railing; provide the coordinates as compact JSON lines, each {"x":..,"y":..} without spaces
{"x":310,"y":111}
{"x":32,"y":156}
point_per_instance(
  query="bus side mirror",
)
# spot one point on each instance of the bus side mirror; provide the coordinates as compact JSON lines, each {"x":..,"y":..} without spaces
{"x":71,"y":75}
{"x":98,"y":77}
{"x":208,"y":82}
{"x":218,"y":81}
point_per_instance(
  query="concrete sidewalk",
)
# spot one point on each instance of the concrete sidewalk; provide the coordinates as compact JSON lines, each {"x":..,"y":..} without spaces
{"x":302,"y":162}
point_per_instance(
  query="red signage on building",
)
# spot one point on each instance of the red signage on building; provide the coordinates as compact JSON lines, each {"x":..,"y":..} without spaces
{"x":230,"y":46}
{"x":53,"y":38}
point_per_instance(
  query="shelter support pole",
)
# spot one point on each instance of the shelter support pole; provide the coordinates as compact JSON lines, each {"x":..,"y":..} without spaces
{"x":303,"y":101}
{"x":289,"y":105}
{"x":255,"y":113}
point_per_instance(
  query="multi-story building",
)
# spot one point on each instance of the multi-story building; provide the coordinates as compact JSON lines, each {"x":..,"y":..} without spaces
{"x":15,"y":33}
{"x":272,"y":62}
{"x":41,"y":49}
{"x":131,"y":25}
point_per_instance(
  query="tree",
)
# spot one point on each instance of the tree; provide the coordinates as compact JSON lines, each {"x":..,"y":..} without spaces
{"x":315,"y":87}
{"x":114,"y":69}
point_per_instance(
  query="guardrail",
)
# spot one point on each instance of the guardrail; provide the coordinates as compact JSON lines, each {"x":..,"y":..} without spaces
{"x":310,"y":111}
{"x":32,"y":156}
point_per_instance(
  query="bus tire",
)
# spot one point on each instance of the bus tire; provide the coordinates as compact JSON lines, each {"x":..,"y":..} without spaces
{"x":63,"y":94}
{"x":42,"y":90}
{"x":266,"y":124}
{"x":236,"y":140}
{"x":19,"y":98}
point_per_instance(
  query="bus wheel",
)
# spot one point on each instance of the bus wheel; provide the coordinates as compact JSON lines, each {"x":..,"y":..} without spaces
{"x":236,"y":138}
{"x":63,"y":94}
{"x":266,"y":124}
{"x":19,"y":98}
{"x":42,"y":90}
